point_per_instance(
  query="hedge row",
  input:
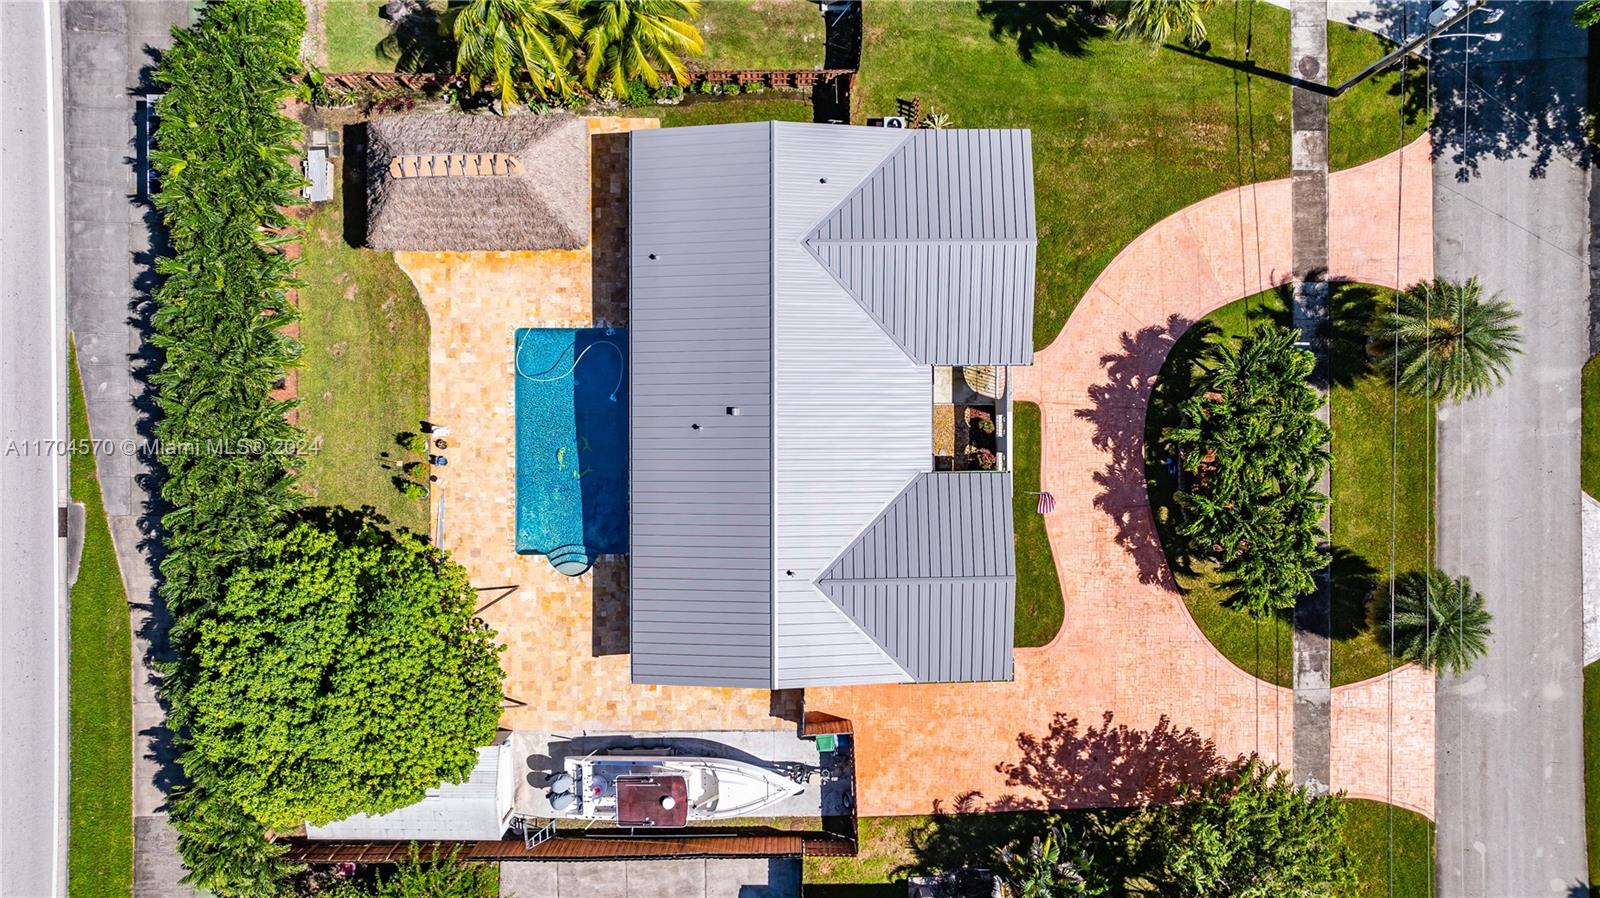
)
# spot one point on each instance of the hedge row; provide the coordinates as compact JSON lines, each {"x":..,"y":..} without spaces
{"x":225,"y":156}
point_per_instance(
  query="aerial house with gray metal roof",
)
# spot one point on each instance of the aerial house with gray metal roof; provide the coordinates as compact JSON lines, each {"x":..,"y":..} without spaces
{"x":820,"y":322}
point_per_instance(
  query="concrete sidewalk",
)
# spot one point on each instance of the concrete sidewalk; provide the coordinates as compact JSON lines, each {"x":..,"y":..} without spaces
{"x":108,"y":48}
{"x":709,"y":878}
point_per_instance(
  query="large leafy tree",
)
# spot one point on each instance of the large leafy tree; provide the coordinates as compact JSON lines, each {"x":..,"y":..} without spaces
{"x":1446,"y":340}
{"x":1159,"y":21}
{"x":522,"y":47}
{"x":1251,"y":834}
{"x":638,"y":40}
{"x":343,"y":673}
{"x":1439,"y":621}
{"x":1253,"y":450}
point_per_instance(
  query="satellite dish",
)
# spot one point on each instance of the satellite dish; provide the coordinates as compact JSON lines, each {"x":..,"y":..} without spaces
{"x":561,"y":782}
{"x":562,"y":801}
{"x":668,"y":802}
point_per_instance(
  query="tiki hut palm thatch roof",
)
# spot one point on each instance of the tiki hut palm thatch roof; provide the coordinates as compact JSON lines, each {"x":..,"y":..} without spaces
{"x":449,"y":181}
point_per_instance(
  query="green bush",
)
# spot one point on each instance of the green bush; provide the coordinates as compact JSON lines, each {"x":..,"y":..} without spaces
{"x":1253,"y":451}
{"x":730,"y":89}
{"x":415,"y":443}
{"x":639,"y":94}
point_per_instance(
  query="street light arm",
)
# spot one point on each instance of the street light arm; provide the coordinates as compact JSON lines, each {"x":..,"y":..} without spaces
{"x":1408,"y":47}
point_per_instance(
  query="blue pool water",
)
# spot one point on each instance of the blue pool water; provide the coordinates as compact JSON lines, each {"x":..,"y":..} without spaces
{"x":572,"y":444}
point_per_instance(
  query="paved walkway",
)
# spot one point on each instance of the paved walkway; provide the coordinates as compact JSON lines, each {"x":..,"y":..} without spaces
{"x":1131,"y":695}
{"x":566,"y":662}
{"x":708,"y":878}
{"x":110,"y":233}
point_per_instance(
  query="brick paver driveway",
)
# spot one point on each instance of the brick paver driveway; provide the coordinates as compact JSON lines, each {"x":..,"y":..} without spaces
{"x":1131,"y":696}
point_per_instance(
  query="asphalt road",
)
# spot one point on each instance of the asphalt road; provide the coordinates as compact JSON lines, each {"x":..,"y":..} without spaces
{"x":1511,"y":207}
{"x":33,"y":809}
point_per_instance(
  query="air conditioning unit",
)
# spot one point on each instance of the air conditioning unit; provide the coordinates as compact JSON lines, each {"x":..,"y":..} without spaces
{"x":888,"y":121}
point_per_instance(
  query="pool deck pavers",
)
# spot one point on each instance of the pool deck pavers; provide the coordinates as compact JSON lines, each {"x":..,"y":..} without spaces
{"x":1130,"y":694}
{"x":564,"y":674}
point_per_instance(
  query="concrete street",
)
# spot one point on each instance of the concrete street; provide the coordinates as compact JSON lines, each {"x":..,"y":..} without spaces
{"x":1511,"y":206}
{"x":33,"y":483}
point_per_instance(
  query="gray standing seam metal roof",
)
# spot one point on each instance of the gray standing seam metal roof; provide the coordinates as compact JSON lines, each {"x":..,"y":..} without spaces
{"x":700,"y":341}
{"x":939,"y":246}
{"x":934,"y":579}
{"x":936,"y":245}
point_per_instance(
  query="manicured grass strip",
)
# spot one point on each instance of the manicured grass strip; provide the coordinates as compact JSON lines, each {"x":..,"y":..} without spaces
{"x":696,"y":110}
{"x":1591,"y":764}
{"x":1363,"y":413}
{"x":363,"y":370}
{"x":1590,"y":474}
{"x":1122,"y":135}
{"x":100,"y":846}
{"x":355,"y":33}
{"x":1039,"y":602}
{"x":1367,"y":833}
{"x":761,"y":34}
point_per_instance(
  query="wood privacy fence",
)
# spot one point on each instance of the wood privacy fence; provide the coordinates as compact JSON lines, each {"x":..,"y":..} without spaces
{"x":429,"y":82}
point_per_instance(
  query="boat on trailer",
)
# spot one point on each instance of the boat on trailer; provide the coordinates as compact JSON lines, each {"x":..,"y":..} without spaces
{"x":664,"y":790}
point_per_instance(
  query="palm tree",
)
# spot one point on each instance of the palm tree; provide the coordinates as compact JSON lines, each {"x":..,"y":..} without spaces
{"x":1044,"y":873}
{"x":1438,"y":622}
{"x":1446,"y":340}
{"x":515,"y":44}
{"x":636,"y":40}
{"x":1158,"y":21}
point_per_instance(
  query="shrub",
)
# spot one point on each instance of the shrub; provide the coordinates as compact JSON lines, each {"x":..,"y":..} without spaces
{"x":638,"y":94}
{"x":730,"y":89}
{"x":414,"y":443}
{"x":706,"y":87}
{"x":341,"y":673}
{"x":411,"y":489}
{"x":1254,"y":449}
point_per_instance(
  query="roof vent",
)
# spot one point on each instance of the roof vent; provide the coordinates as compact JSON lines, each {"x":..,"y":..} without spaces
{"x":734,"y":410}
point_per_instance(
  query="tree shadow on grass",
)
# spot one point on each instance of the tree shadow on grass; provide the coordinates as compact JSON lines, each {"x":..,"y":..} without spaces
{"x":1353,"y":308}
{"x":414,"y":42}
{"x":1060,"y":27}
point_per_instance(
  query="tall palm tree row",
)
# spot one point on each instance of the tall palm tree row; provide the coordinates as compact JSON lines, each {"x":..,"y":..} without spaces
{"x":540,"y":49}
{"x":1446,"y":340}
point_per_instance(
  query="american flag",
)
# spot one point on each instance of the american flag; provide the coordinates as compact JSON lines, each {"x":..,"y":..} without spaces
{"x":1047,"y":503}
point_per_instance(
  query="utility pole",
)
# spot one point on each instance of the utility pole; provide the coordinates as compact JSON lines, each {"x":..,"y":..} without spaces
{"x":1313,"y":662}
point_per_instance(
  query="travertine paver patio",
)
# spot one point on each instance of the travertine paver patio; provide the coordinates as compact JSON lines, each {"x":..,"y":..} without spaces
{"x":1129,"y":648}
{"x":563,"y":672}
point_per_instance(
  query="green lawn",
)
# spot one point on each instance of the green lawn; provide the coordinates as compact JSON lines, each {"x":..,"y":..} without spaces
{"x":721,"y":110}
{"x":100,"y":849}
{"x":1039,"y":605}
{"x":1590,"y":472}
{"x":1368,"y":834}
{"x":1366,"y":425}
{"x":761,"y":34}
{"x":1591,"y":764}
{"x":1122,"y":135}
{"x":363,"y":371}
{"x":889,"y":845}
{"x":739,"y":34}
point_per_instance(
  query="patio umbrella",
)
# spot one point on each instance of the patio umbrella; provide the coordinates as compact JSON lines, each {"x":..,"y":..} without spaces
{"x":1047,"y":503}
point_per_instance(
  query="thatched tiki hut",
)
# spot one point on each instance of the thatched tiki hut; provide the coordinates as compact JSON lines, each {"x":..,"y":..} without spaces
{"x":449,"y":181}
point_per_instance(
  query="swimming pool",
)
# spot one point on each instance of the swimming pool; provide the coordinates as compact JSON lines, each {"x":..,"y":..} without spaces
{"x":572,"y":444}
